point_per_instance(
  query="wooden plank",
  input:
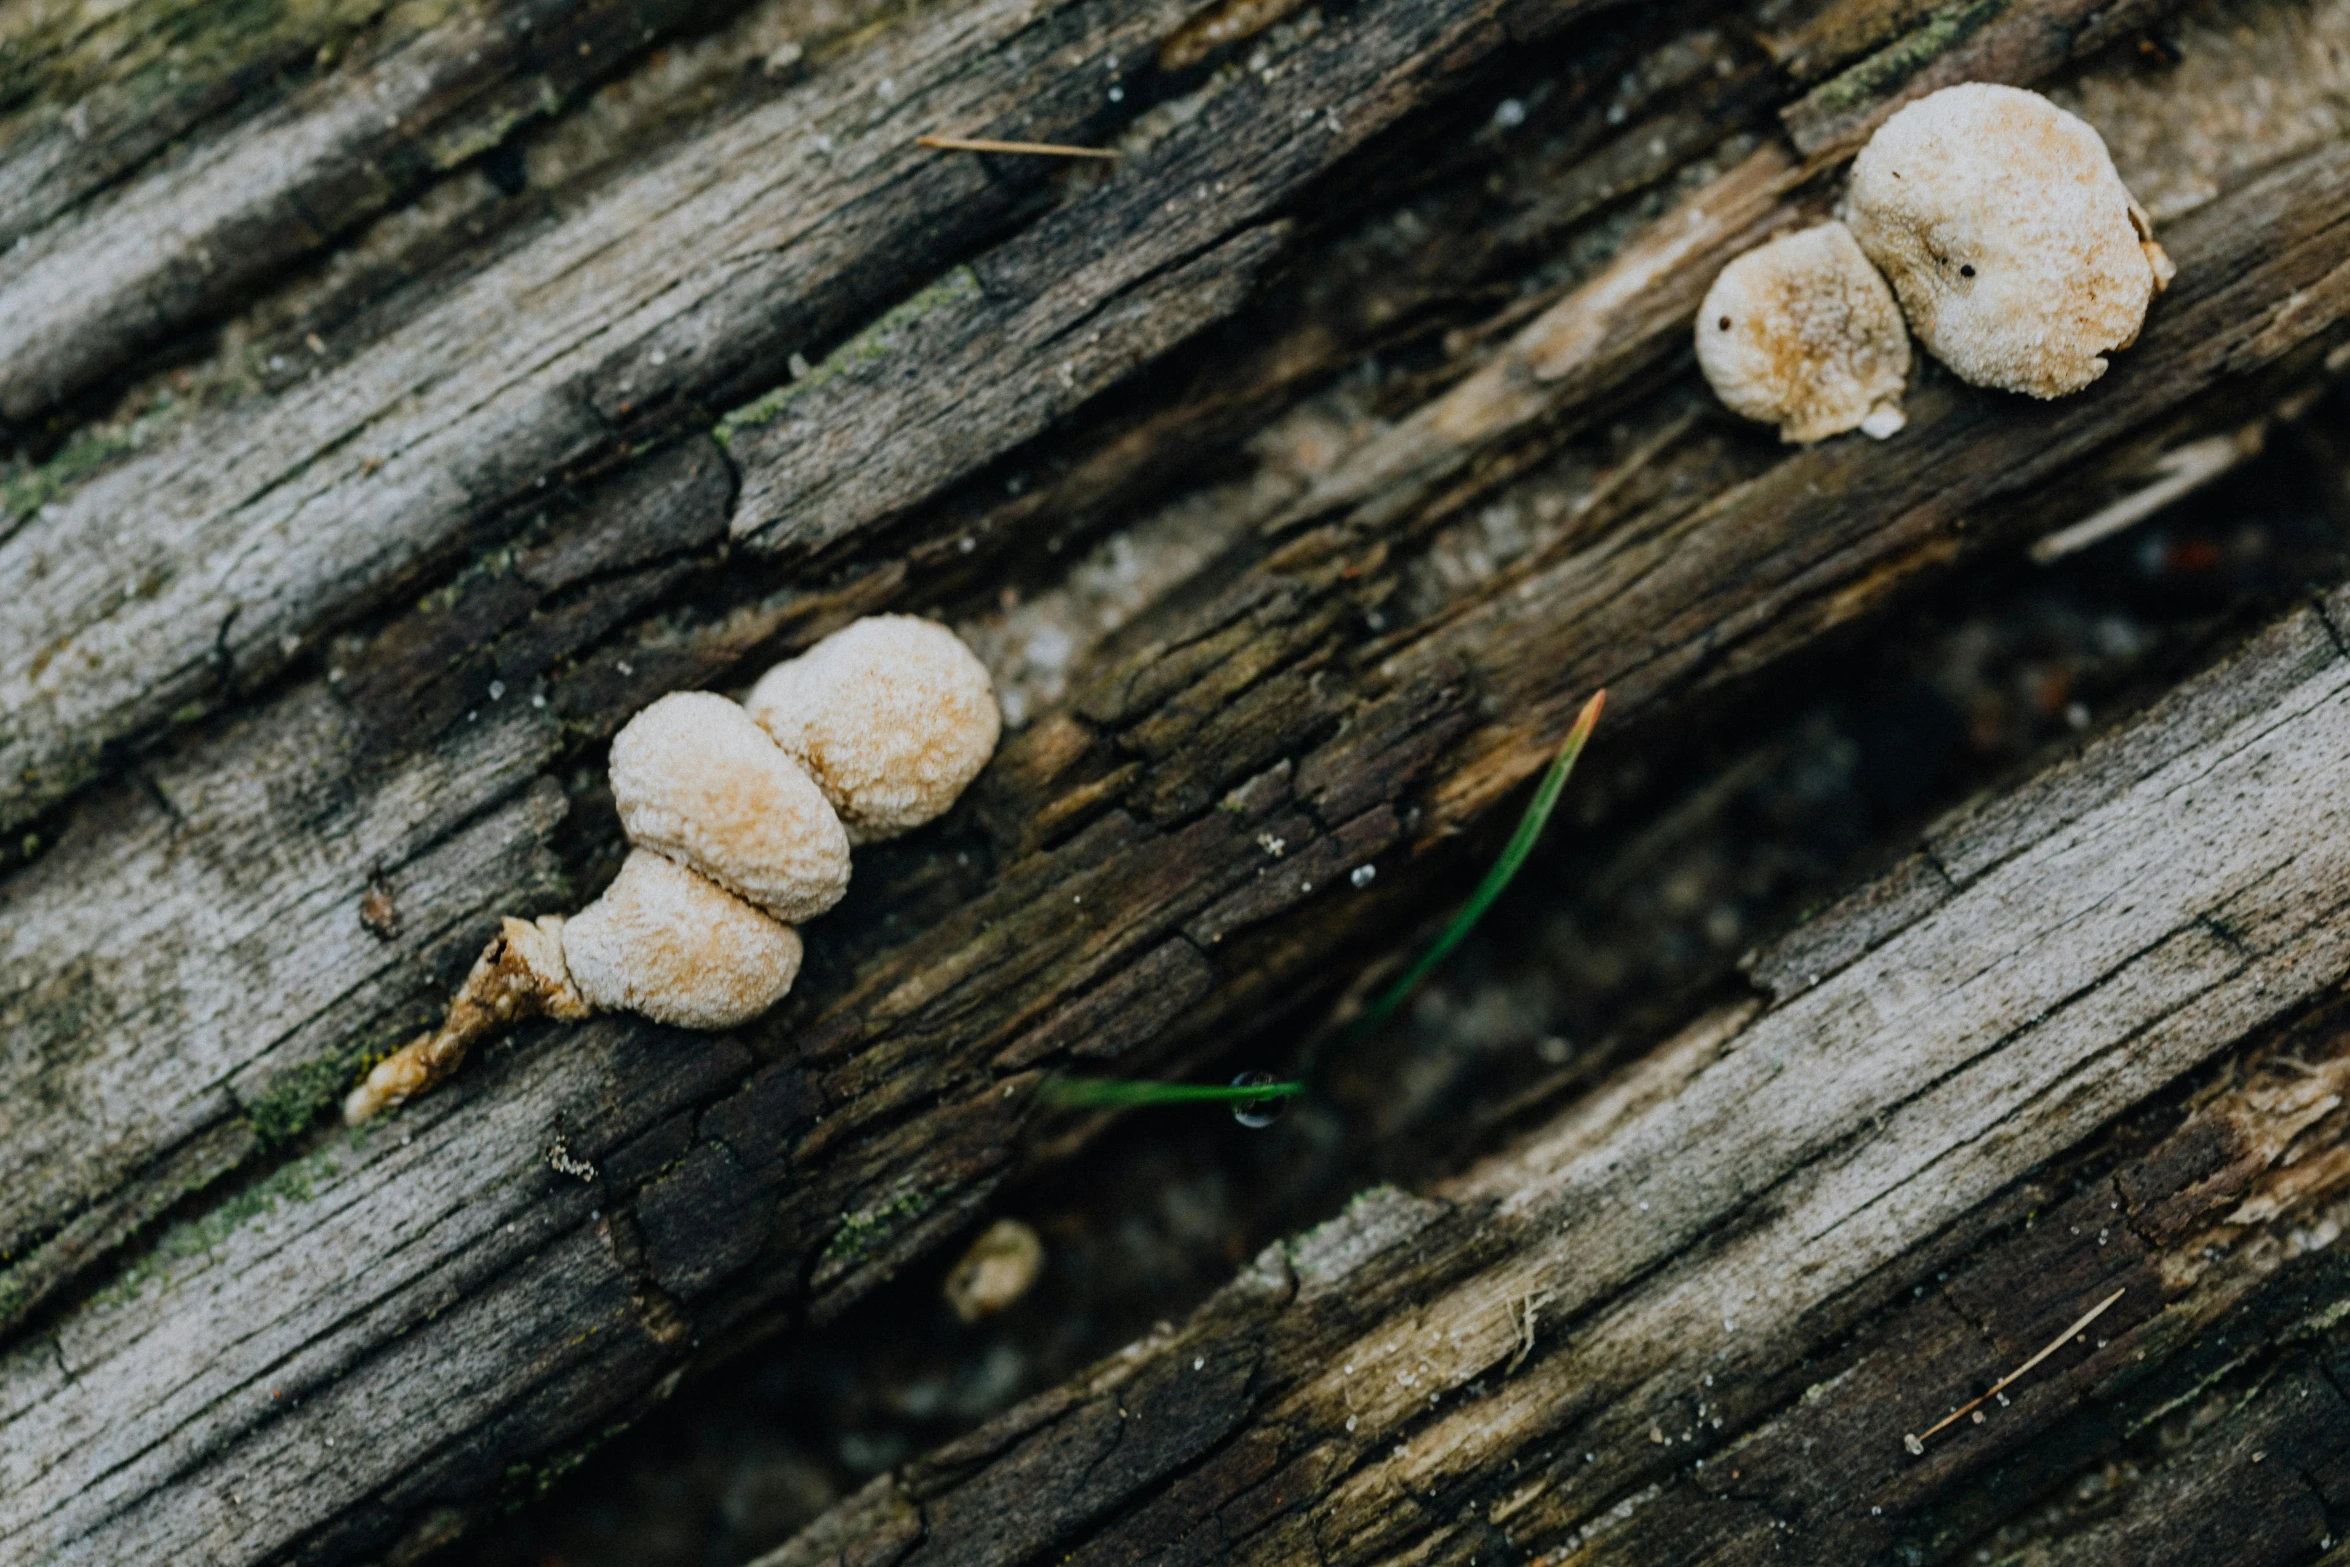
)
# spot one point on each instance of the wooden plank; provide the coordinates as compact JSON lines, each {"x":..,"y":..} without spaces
{"x":139,"y":259}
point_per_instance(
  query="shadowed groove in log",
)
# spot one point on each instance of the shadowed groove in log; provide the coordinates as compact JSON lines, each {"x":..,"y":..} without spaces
{"x":868,"y":1156}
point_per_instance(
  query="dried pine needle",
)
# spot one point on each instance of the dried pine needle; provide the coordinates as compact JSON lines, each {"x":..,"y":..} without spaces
{"x":1039,"y":149}
{"x":1917,"y":1444}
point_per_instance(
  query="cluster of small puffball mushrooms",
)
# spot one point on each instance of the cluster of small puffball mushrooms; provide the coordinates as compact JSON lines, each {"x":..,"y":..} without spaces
{"x":740,"y":820}
{"x":2014,"y":250}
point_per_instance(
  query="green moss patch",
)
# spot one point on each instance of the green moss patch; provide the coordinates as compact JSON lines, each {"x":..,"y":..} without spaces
{"x":867,"y":1230}
{"x":297,"y":1182}
{"x":1892,"y":66}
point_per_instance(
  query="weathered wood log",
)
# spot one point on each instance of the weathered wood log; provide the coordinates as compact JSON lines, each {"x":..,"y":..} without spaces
{"x":187,"y":981}
{"x":115,"y":270}
{"x":1713,"y":1313}
{"x":687,"y":282}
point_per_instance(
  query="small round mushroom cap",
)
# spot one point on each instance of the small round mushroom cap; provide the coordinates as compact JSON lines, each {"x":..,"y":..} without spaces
{"x":695,"y":779}
{"x":892,"y":716}
{"x":678,"y":948}
{"x":1000,"y":1267}
{"x":1803,"y":333}
{"x":2017,"y":252}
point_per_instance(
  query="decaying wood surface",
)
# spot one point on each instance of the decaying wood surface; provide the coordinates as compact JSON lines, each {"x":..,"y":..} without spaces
{"x":345,"y":639}
{"x":1697,"y":1317}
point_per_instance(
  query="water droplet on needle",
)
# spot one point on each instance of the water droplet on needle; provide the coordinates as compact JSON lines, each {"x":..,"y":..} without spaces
{"x":1257,"y":1112}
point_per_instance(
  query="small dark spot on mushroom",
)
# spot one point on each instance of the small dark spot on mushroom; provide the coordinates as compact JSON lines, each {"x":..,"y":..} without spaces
{"x":1967,"y":271}
{"x":1725,"y":323}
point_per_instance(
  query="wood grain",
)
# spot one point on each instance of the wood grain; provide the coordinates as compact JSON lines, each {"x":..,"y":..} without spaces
{"x":1596,"y":1347}
{"x":508,"y":519}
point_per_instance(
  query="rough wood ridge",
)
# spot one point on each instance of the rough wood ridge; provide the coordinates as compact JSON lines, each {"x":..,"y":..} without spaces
{"x":231,"y":721}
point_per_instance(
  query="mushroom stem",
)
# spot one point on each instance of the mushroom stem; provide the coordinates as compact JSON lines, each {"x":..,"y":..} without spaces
{"x":520,"y":974}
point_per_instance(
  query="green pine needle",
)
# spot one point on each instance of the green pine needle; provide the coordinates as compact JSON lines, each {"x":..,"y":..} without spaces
{"x":1104,"y":1092}
{"x":1513,"y":855}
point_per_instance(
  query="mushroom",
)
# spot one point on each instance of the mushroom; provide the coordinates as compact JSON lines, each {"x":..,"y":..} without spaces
{"x":2019,"y":256}
{"x":662,"y":940}
{"x":892,"y":716}
{"x":999,"y":1268}
{"x":696,"y":780}
{"x":678,"y":948}
{"x":734,"y":833}
{"x":1803,"y":333}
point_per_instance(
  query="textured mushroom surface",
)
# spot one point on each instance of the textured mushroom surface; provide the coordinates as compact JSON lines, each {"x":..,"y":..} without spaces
{"x":892,"y":716}
{"x":2018,"y":255}
{"x":1803,"y":333}
{"x":537,"y":947}
{"x":678,"y":948}
{"x":696,"y":780}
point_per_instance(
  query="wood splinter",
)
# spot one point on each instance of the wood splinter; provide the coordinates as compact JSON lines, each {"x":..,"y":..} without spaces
{"x":1917,"y":1444}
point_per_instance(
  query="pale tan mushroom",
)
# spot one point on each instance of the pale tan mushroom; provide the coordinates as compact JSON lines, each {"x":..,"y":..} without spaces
{"x":892,"y":716}
{"x":2018,"y":255}
{"x":1803,"y":333}
{"x":696,"y":780}
{"x":1000,"y":1267}
{"x":876,"y":729}
{"x":678,"y":948}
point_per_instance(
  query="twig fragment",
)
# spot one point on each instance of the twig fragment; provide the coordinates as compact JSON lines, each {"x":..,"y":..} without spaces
{"x":1041,"y":149}
{"x":1522,"y":1321}
{"x":2181,"y":472}
{"x":1917,"y":1444}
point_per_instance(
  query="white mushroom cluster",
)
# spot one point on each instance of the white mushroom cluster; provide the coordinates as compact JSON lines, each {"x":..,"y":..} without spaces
{"x":1998,"y":222}
{"x":740,"y":823}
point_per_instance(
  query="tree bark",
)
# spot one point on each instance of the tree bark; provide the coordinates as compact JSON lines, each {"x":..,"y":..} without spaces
{"x":304,"y":644}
